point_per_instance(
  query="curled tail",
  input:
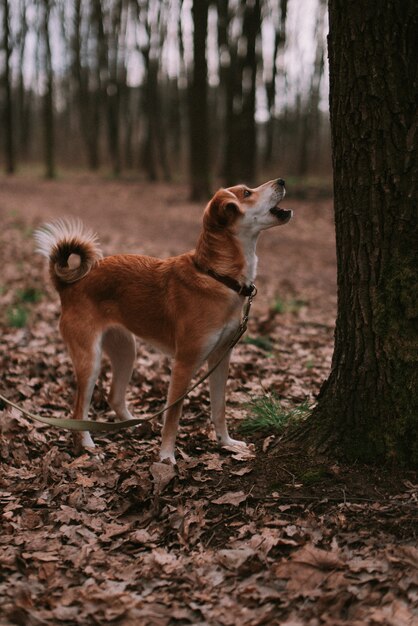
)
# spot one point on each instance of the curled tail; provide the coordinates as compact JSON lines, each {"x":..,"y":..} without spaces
{"x":72,"y":249}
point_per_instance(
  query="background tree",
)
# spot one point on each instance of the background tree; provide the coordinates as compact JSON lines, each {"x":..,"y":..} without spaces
{"x":140,"y":84}
{"x":271,"y":80}
{"x":368,"y":407}
{"x":240,"y":128}
{"x":198,"y":103}
{"x":8,"y":106}
{"x":48,"y":97}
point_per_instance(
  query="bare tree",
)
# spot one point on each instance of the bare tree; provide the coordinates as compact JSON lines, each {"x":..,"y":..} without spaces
{"x":198,"y":106}
{"x":23,"y":101}
{"x":48,"y":98}
{"x":8,"y":105}
{"x":310,"y":116}
{"x":247,"y":125}
{"x":271,"y":84}
{"x":241,"y":144}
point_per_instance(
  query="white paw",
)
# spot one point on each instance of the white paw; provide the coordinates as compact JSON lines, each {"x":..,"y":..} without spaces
{"x":167,"y":456}
{"x":233,"y":443}
{"x":87,"y":441}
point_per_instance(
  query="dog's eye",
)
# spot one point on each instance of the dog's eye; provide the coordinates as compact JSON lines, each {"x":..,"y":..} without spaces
{"x":247,"y":193}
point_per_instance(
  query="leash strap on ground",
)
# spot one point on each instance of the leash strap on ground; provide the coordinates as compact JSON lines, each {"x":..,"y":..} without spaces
{"x":106,"y":427}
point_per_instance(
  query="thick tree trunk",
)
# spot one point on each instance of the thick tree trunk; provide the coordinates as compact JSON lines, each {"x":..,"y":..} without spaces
{"x":198,"y":106}
{"x":368,"y":408}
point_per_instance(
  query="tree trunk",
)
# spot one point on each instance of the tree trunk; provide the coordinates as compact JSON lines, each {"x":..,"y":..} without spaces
{"x":279,"y":43}
{"x":84,"y":99}
{"x":241,"y":144}
{"x":113,"y":89}
{"x":247,"y":126}
{"x":310,"y":113}
{"x":48,"y":104}
{"x":149,"y":147}
{"x":8,"y":107}
{"x":198,"y":106}
{"x":100,"y":78}
{"x":368,"y":408}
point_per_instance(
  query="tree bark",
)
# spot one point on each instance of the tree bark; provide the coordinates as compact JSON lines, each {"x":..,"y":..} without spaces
{"x":368,"y":407}
{"x":198,"y":106}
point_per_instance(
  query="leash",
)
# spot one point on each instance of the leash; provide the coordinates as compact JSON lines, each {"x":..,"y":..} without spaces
{"x":97,"y":427}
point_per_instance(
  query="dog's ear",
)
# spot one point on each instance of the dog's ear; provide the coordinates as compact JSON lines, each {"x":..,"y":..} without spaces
{"x":223,"y":210}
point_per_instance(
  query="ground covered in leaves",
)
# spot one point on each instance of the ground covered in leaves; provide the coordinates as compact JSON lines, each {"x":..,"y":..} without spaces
{"x":273,"y":537}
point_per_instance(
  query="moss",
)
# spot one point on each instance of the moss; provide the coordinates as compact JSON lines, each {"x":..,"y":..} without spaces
{"x":313,"y":476}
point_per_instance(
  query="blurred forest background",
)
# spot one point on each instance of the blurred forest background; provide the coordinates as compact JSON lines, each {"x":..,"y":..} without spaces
{"x":209,"y":91}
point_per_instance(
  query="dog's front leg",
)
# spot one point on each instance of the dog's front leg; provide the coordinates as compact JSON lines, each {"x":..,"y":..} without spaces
{"x":217,"y":384}
{"x":181,"y":376}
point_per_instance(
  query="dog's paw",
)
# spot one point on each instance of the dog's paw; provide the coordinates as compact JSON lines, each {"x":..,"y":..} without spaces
{"x":168,"y":456}
{"x":241,"y":451}
{"x":123,"y":416}
{"x":87,"y":441}
{"x":228,"y":442}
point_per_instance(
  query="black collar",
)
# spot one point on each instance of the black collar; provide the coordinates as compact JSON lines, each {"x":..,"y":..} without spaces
{"x":240,"y":288}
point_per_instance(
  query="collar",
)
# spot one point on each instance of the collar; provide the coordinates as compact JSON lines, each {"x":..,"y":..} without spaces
{"x":240,"y":288}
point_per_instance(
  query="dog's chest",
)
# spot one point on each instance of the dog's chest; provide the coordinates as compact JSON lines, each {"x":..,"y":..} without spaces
{"x":220,"y":337}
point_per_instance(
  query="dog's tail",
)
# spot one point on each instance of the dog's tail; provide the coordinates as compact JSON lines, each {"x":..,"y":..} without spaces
{"x":72,"y":249}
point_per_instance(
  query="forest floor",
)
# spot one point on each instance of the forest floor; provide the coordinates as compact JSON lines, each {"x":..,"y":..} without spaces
{"x":271,"y":537}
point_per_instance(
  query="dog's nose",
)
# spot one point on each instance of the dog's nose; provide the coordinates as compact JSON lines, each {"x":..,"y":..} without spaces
{"x":280,"y":182}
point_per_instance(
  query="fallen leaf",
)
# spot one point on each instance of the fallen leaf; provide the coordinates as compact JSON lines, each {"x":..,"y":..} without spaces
{"x":162,"y":474}
{"x":235,"y":557}
{"x":232,"y":497}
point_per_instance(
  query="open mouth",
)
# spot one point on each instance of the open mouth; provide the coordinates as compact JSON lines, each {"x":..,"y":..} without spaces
{"x":283,"y":215}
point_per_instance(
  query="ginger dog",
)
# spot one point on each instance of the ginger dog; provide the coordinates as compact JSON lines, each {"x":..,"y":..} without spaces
{"x":189,"y":306}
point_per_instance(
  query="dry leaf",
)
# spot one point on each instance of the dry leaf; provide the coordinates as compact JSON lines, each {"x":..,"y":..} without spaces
{"x":162,"y":474}
{"x":232,"y":497}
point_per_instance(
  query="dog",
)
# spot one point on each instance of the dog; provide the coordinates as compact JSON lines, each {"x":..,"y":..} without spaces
{"x":189,"y":306}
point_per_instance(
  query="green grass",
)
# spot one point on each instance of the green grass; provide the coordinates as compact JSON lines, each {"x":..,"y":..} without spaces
{"x":264,"y":343}
{"x":293,"y":305}
{"x":266,"y":414}
{"x":29,"y":295}
{"x":17,"y":316}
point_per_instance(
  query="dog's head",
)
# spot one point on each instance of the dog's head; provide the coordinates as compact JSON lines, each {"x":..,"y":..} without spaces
{"x":250,"y":209}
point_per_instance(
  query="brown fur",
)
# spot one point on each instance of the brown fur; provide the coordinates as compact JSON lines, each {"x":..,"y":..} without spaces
{"x":169,"y":302}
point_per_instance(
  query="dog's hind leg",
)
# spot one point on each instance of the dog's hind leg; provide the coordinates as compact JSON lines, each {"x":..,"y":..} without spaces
{"x":86,"y":352}
{"x":119,"y":345}
{"x":217,"y":386}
